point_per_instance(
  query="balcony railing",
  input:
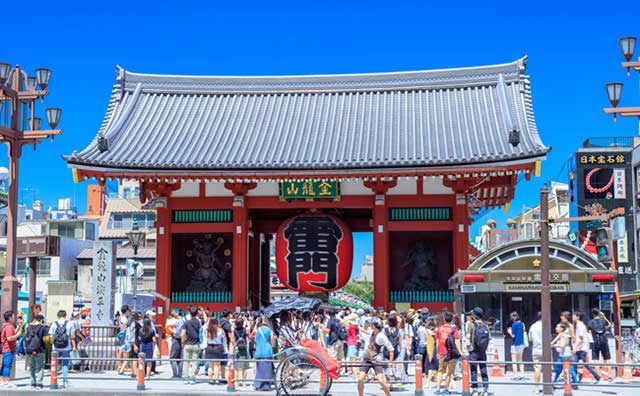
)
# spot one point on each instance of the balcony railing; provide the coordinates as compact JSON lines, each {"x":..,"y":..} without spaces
{"x":422,"y":296}
{"x":201,"y":297}
{"x":128,"y":224}
{"x":610,"y":141}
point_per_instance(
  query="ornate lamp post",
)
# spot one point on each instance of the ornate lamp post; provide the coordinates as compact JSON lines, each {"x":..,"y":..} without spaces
{"x":136,"y":237}
{"x":614,"y":90}
{"x":19,"y":126}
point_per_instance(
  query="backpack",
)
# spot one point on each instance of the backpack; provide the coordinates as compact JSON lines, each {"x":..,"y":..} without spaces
{"x":452,"y":350}
{"x":342,"y":333}
{"x":394,"y":339}
{"x":60,"y":336}
{"x":599,"y":330}
{"x":33,"y":340}
{"x":241,"y":341}
{"x":481,"y":337}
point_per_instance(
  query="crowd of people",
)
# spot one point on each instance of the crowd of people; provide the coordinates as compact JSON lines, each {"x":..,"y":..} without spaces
{"x":37,"y":339}
{"x":374,"y":345}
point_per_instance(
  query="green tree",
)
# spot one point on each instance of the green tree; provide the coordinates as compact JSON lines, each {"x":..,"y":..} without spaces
{"x":362,"y":290}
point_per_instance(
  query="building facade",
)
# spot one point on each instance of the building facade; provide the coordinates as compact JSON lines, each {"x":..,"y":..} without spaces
{"x":407,"y":156}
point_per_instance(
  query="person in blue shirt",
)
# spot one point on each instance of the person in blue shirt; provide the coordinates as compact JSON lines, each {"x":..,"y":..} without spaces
{"x":264,"y":341}
{"x":517,"y":332}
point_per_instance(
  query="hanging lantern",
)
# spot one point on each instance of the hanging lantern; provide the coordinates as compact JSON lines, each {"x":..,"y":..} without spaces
{"x":314,"y":253}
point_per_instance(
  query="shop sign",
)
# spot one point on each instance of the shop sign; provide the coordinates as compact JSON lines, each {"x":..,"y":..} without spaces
{"x":314,"y":253}
{"x":534,"y":288}
{"x":603,"y":159}
{"x":310,"y":190}
{"x":619,"y":189}
{"x":623,"y":249}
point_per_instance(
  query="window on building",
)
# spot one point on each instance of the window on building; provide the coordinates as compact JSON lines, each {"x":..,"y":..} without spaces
{"x":124,"y":221}
{"x":89,"y":231}
{"x":149,"y":272}
{"x":67,"y":230}
{"x":43,"y":267}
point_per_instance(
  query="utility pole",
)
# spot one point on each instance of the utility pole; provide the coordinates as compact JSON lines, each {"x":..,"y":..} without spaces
{"x":545,"y":293}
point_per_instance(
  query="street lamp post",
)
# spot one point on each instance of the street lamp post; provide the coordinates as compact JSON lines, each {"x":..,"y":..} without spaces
{"x":614,"y":90}
{"x":136,"y":237}
{"x":545,"y":293}
{"x":19,"y":126}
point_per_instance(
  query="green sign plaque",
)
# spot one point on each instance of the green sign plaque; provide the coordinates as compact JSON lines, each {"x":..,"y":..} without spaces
{"x":310,"y":190}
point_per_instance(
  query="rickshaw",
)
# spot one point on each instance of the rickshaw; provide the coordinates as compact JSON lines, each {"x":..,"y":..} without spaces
{"x":305,"y":368}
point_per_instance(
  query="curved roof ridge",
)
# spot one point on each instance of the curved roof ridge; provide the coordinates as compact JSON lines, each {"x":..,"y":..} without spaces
{"x":462,"y":76}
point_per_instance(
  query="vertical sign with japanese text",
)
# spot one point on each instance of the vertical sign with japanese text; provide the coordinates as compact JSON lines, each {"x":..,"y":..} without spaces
{"x":619,"y":188}
{"x":104,"y":281}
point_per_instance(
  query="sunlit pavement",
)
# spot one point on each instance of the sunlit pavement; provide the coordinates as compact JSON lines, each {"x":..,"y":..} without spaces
{"x":108,"y":383}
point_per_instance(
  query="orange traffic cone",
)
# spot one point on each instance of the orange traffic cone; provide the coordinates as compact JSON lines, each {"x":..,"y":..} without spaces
{"x":586,"y":374}
{"x":627,"y":372}
{"x":604,"y":373}
{"x":496,"y":371}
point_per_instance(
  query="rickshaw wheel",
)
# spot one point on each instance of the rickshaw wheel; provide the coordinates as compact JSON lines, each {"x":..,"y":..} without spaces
{"x":300,"y":373}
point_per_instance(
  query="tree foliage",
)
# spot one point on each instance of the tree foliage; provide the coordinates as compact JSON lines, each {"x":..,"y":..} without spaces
{"x":362,"y":290}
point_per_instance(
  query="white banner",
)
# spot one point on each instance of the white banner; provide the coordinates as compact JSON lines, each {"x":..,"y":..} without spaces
{"x":104,"y":282}
{"x":623,"y":250}
{"x":619,"y":186}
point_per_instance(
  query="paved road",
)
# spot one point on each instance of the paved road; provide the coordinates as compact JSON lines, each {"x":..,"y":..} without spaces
{"x":107,"y":383}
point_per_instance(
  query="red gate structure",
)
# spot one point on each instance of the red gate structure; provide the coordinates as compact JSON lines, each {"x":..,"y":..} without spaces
{"x":408,"y":156}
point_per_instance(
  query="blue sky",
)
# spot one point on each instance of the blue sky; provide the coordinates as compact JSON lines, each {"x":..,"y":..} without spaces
{"x":572,"y":48}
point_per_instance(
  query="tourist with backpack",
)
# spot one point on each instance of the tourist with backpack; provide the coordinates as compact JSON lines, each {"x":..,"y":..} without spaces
{"x":241,"y":350}
{"x":598,"y":327}
{"x":449,"y":351}
{"x":8,"y":337}
{"x":394,"y":335}
{"x":34,"y":349}
{"x":337,"y":336}
{"x":61,"y":333}
{"x":479,"y":342}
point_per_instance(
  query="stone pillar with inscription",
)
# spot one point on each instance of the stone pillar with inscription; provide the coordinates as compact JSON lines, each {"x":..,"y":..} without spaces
{"x":104,"y":282}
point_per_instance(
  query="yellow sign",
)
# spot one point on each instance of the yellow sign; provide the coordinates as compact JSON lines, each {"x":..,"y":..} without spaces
{"x":75,"y":175}
{"x":602,"y":159}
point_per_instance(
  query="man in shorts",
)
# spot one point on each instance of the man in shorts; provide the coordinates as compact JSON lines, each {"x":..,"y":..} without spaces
{"x":373,"y":358}
{"x":535,"y":336}
{"x":598,"y":327}
{"x":446,"y":364}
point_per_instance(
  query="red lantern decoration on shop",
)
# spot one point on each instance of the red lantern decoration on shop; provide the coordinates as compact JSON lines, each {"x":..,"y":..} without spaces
{"x":314,"y":253}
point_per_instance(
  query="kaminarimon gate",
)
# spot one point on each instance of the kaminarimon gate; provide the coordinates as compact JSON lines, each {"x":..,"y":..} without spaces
{"x":227,"y":161}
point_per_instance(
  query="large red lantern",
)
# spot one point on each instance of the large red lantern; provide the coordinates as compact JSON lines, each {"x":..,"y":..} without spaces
{"x":314,"y":253}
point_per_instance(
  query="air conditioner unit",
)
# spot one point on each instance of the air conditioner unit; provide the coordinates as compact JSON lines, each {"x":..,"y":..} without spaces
{"x":609,"y":289}
{"x":467,"y":289}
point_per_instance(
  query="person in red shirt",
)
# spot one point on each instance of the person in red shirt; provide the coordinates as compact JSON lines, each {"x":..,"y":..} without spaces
{"x":8,"y":338}
{"x":447,"y":357}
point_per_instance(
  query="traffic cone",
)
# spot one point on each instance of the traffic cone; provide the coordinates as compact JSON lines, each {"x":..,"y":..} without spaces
{"x":627,"y":372}
{"x":604,"y":373}
{"x":586,"y":374}
{"x":496,"y":371}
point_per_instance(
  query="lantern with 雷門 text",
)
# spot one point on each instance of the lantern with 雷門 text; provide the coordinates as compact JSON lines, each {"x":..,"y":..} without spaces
{"x":314,"y":253}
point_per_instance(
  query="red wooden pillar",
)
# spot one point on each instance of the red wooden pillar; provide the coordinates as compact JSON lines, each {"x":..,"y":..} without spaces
{"x":163,"y":251}
{"x":381,"y":273}
{"x":240,"y":264}
{"x":460,"y":233}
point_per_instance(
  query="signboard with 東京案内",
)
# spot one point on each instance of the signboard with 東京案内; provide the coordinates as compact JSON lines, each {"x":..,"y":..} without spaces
{"x":38,"y":246}
{"x":310,"y":190}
